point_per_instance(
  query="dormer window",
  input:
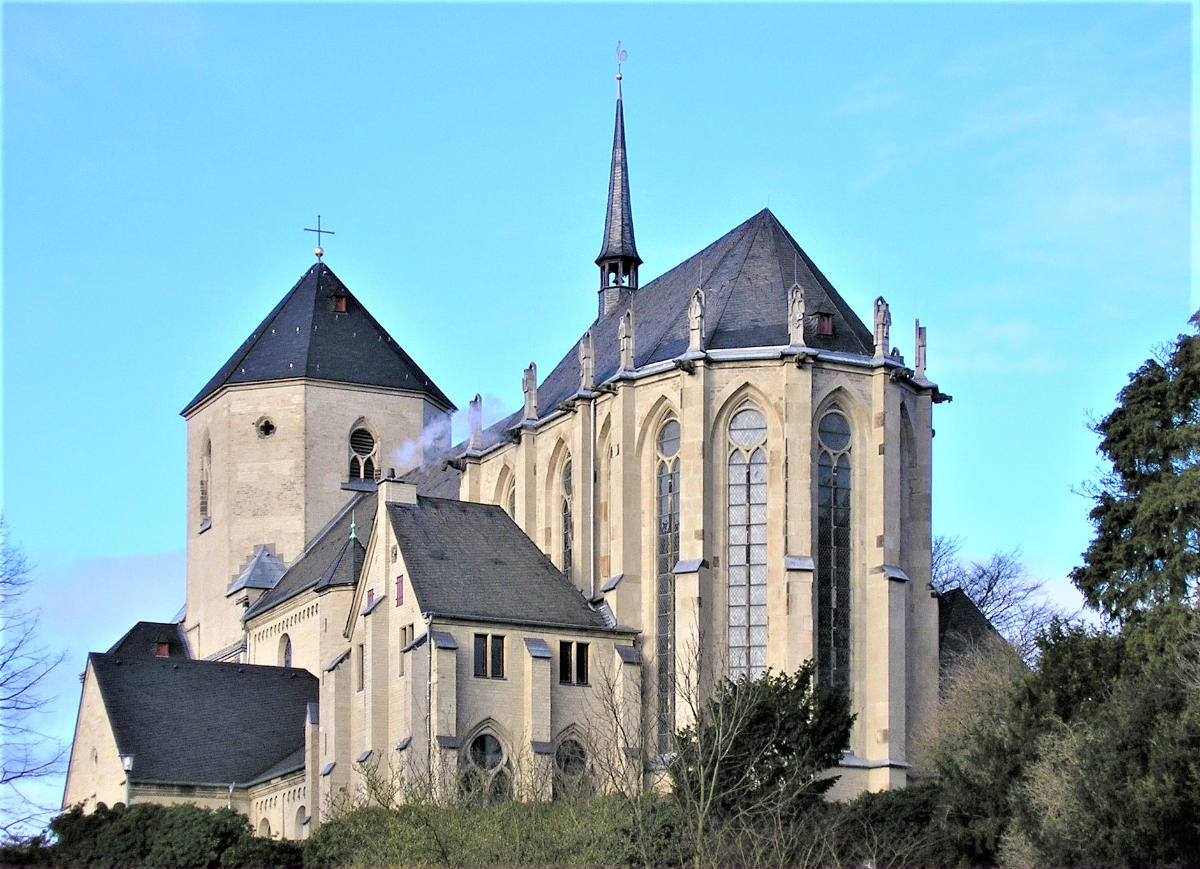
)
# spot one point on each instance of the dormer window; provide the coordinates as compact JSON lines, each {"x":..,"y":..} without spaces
{"x":339,"y":304}
{"x":825,"y":324}
{"x":163,"y":650}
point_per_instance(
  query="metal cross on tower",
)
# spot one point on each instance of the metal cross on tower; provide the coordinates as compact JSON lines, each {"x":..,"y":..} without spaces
{"x":319,"y":251}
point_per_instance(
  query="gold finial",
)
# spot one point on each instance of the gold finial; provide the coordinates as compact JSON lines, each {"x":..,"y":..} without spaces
{"x":318,"y":250}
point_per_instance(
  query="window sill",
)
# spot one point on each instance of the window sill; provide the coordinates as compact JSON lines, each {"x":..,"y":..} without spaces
{"x":360,"y":485}
{"x":575,"y":684}
{"x":491,"y":678}
{"x":204,"y":526}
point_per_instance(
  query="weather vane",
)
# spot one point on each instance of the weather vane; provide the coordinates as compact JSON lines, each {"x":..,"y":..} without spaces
{"x":622,"y":56}
{"x":319,"y":251}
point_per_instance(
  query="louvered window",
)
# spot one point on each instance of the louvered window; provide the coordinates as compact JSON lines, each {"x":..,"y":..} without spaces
{"x":205,"y":475}
{"x":364,"y":455}
{"x":747,"y":547}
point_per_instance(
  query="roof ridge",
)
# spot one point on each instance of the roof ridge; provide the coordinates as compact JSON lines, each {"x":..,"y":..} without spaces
{"x":745,"y":256}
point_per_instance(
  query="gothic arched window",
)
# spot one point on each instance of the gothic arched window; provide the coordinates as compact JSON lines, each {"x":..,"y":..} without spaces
{"x":486,"y":776}
{"x":364,"y":455}
{"x":833,"y":549}
{"x":747,"y":525}
{"x":567,"y":528}
{"x":285,"y":651}
{"x":667,"y":551}
{"x":510,"y":501}
{"x":570,"y":769}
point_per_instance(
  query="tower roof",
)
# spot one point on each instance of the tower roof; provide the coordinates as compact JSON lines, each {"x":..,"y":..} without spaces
{"x":618,"y":220}
{"x":308,"y":335}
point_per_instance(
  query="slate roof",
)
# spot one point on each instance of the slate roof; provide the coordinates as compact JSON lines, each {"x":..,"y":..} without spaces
{"x":143,"y":638}
{"x":331,"y":558}
{"x":961,"y":626}
{"x":618,"y":219}
{"x":261,"y":570}
{"x":472,"y":560}
{"x":304,"y":337}
{"x":203,"y":722}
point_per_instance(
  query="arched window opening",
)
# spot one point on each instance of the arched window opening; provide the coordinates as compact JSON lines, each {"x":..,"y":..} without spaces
{"x":487,"y":777}
{"x":510,"y":502}
{"x":567,"y":526}
{"x":205,"y":478}
{"x":285,"y":651}
{"x":747,"y":549}
{"x":833,"y":549}
{"x":264,"y":828}
{"x":667,"y":552}
{"x":364,"y":455}
{"x":570,"y":770}
{"x":301,"y":827}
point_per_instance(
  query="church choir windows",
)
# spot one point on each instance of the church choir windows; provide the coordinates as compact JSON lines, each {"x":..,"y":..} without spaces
{"x":567,"y":525}
{"x":833,"y":549}
{"x":667,"y":554}
{"x":364,"y":455}
{"x":572,"y":663}
{"x":489,"y":656}
{"x":747,"y":543}
{"x":487,"y":777}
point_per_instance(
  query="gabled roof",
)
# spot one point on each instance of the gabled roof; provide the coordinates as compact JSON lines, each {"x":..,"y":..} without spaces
{"x":203,"y":722}
{"x":330,"y":558}
{"x":472,"y":560}
{"x":304,"y":337}
{"x":261,"y":570}
{"x":142,"y":640}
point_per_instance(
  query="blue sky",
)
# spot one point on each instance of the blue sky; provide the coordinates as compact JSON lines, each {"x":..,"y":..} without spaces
{"x":1017,"y":176}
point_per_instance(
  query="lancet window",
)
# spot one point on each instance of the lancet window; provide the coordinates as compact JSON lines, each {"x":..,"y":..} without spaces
{"x":747,"y":549}
{"x":833,"y":549}
{"x":667,"y":554}
{"x":364,"y":455}
{"x":567,"y":525}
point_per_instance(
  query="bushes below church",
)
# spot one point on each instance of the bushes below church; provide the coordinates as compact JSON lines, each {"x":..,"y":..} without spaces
{"x":156,"y":837}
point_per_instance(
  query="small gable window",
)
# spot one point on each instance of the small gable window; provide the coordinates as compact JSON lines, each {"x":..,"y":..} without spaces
{"x":400,"y":590}
{"x":825,"y":324}
{"x":163,"y":650}
{"x":364,"y":455}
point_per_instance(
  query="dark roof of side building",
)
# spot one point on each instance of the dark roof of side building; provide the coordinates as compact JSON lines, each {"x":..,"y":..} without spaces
{"x":961,"y":626}
{"x":472,"y":560}
{"x":143,"y":639}
{"x":331,"y":558}
{"x":305,"y":337}
{"x":204,"y":722}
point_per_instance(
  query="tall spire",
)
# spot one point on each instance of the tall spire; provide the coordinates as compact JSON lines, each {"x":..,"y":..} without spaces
{"x":618,"y":259}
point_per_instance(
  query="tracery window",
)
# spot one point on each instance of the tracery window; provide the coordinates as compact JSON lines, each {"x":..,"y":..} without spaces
{"x":570,"y":769}
{"x":486,"y":774}
{"x":747,"y":527}
{"x":833,"y":549}
{"x":667,"y":552}
{"x":567,"y":526}
{"x":364,"y":455}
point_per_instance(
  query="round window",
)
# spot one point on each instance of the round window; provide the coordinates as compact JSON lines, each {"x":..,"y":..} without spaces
{"x":834,"y":432}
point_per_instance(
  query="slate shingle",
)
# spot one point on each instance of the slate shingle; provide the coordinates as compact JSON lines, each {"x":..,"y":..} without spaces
{"x":203,"y":722}
{"x":304,"y":337}
{"x":472,"y":560}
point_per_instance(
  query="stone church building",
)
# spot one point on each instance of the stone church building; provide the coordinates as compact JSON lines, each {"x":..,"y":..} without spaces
{"x":727,"y":472}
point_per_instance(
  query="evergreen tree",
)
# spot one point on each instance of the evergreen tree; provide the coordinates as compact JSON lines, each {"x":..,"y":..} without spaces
{"x":1147,"y":514}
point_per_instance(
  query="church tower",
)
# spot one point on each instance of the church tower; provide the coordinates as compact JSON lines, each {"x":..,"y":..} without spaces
{"x":618,"y":259}
{"x":320,"y":401}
